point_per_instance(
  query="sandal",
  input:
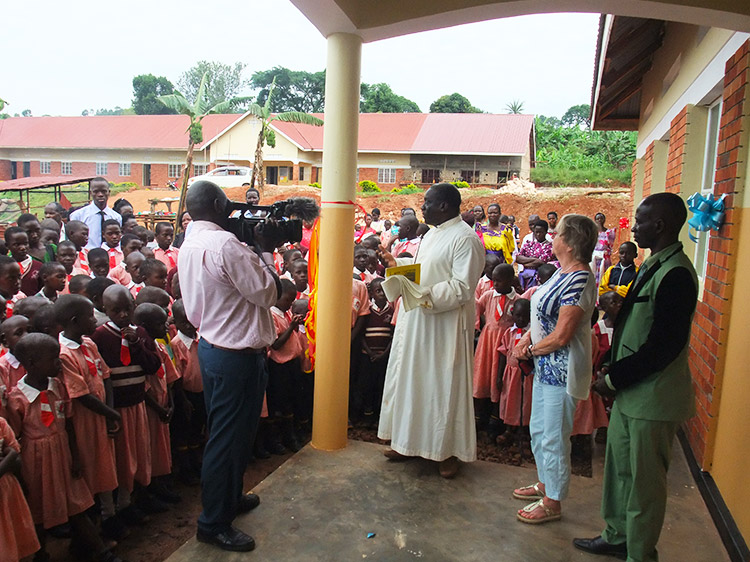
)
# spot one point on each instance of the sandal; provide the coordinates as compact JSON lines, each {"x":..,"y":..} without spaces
{"x":549,"y":515}
{"x":537,"y":495}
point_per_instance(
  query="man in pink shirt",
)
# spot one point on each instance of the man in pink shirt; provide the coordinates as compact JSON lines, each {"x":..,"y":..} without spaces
{"x":165,"y":252}
{"x":228,"y":291}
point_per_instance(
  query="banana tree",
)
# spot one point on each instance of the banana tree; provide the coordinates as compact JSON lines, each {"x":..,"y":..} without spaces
{"x":196,"y":111}
{"x":266,"y":135}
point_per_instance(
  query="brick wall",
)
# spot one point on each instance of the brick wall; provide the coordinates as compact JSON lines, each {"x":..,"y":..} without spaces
{"x":5,"y":173}
{"x":648,"y":168}
{"x":675,"y":158}
{"x":709,"y":335}
{"x":159,"y":172}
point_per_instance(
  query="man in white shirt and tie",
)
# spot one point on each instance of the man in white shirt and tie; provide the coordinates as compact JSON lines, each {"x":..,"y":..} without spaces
{"x":95,"y":213}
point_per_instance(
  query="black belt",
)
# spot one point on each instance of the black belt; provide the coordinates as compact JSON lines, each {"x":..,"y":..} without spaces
{"x":243,"y":351}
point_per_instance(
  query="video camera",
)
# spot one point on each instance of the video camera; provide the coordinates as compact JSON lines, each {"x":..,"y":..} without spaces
{"x":289,"y":215}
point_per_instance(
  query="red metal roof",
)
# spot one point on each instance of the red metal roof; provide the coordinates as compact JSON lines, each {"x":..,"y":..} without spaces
{"x":25,"y":184}
{"x":428,"y":133}
{"x":420,"y":133}
{"x":107,"y":131}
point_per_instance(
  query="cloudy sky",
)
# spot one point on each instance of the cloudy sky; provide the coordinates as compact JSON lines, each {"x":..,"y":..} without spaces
{"x":62,"y":57}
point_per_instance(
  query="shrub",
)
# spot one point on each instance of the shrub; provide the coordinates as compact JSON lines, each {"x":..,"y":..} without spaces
{"x":315,"y":184}
{"x":595,"y":176}
{"x":407,"y":189}
{"x":369,"y":187}
{"x":461,"y":184}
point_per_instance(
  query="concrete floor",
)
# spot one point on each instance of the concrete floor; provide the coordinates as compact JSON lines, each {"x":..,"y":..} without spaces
{"x":320,"y":506}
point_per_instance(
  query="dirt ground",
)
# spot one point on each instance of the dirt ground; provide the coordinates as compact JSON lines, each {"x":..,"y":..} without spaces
{"x":614,"y":203}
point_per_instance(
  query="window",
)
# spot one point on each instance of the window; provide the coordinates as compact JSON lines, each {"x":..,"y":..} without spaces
{"x":66,"y":168}
{"x":707,"y":182}
{"x":101,"y":168}
{"x":430,"y":176}
{"x":45,"y":168}
{"x":470,"y":176}
{"x":124,"y":169}
{"x":301,"y":174}
{"x":173,"y":170}
{"x":199,"y":169}
{"x":386,"y":175}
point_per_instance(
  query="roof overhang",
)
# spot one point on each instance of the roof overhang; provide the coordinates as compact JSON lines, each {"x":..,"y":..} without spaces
{"x":373,"y":21}
{"x":625,"y":51}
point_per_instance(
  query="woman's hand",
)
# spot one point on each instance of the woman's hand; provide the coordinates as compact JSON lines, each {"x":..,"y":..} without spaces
{"x":521,"y":351}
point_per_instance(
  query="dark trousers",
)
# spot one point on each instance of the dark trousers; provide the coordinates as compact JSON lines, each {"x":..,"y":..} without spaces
{"x":285,"y":388}
{"x":371,"y":381}
{"x":233,"y":388}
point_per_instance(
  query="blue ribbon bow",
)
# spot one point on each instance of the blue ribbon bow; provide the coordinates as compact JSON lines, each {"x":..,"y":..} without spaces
{"x":707,"y":212}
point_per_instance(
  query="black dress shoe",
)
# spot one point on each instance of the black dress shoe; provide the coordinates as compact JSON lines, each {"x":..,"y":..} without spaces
{"x":248,"y":502}
{"x":598,"y":545}
{"x":231,"y":539}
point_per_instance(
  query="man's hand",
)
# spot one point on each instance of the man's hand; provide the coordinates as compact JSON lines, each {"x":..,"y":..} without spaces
{"x":386,"y":257}
{"x":268,"y":235}
{"x":600,"y":385}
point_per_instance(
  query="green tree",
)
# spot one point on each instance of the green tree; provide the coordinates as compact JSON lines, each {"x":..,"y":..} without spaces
{"x":26,"y":113}
{"x":454,"y":103}
{"x":295,"y":90}
{"x":146,"y":91}
{"x":266,"y":135}
{"x":577,"y":115}
{"x":223,"y":82}
{"x":196,"y":111}
{"x":3,"y":103}
{"x":515,"y":107}
{"x":379,"y":98}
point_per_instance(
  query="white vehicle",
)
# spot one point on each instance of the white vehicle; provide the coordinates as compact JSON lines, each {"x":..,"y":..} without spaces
{"x":226,"y":176}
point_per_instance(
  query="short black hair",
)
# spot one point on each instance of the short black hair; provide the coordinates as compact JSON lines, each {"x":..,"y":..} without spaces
{"x":545,"y":270}
{"x":48,"y":268}
{"x":69,"y":244}
{"x":554,"y":213}
{"x":30,"y":346}
{"x":160,"y":225}
{"x":5,"y":261}
{"x":27,"y":307}
{"x":69,"y":306}
{"x":127,"y":217}
{"x":526,"y":303}
{"x":78,"y":282}
{"x":544,"y":224}
{"x":495,"y":205}
{"x":110,"y":222}
{"x":288,"y":253}
{"x":74,"y":226}
{"x":449,"y":194}
{"x":669,"y":207}
{"x":24,"y":218}
{"x":12,"y":231}
{"x":44,"y":319}
{"x":288,"y":287}
{"x":505,"y":270}
{"x":98,"y":252}
{"x":97,"y":286}
{"x":127,"y":237}
{"x":630,"y":245}
{"x":149,"y":266}
{"x":151,"y":295}
{"x":146,"y":312}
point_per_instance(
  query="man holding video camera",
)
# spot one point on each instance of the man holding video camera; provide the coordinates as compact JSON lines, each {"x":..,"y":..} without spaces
{"x":228,"y":290}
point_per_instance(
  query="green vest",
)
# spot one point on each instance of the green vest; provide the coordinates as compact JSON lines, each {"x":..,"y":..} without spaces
{"x":666,"y":395}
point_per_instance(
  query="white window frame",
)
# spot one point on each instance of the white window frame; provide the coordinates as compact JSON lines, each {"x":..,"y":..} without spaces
{"x":124,"y":169}
{"x":200,"y":169}
{"x":174,"y":170}
{"x":66,"y":168}
{"x":45,"y":167}
{"x":713,"y":124}
{"x":101,"y":168}
{"x":386,"y":175}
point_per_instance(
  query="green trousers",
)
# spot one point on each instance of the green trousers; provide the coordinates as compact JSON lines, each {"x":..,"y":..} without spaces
{"x":634,"y":498}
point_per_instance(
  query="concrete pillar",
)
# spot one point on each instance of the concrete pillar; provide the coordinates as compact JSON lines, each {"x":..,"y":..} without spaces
{"x":336,"y":242}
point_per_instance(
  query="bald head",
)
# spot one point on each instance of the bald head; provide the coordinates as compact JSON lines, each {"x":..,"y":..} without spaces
{"x":206,"y":201}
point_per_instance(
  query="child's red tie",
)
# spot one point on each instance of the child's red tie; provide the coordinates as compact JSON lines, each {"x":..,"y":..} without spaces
{"x":172,"y":263}
{"x":160,"y":372}
{"x":500,"y":308}
{"x":48,"y":415}
{"x":112,"y":258}
{"x":125,"y":353}
{"x":83,"y":262}
{"x":90,"y":363}
{"x":362,"y":276}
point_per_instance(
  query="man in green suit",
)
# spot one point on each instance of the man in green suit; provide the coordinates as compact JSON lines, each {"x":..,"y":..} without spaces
{"x":649,"y":376}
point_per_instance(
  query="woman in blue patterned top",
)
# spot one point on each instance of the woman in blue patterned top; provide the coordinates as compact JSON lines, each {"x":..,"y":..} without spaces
{"x":560,"y":344}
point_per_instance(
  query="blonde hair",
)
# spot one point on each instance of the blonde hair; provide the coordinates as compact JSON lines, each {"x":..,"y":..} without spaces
{"x":580,"y":233}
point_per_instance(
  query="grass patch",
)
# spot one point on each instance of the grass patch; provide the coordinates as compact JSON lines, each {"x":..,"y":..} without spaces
{"x":560,"y":176}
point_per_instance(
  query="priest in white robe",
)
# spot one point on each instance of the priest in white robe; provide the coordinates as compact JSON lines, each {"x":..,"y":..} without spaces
{"x":427,"y":408}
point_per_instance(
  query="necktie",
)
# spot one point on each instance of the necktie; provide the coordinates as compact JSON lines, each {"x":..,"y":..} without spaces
{"x":83,"y":261}
{"x":500,"y":308}
{"x":9,"y":309}
{"x":47,"y":415}
{"x":90,"y":363}
{"x":160,"y":372}
{"x":20,"y":265}
{"x":125,"y":352}
{"x":172,"y":263}
{"x":112,"y":258}
{"x":104,"y":218}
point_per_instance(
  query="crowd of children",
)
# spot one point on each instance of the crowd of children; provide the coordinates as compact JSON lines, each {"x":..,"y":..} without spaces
{"x":101,"y":390}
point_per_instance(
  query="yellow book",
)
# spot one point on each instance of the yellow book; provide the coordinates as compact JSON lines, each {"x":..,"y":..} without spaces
{"x":411,"y":272}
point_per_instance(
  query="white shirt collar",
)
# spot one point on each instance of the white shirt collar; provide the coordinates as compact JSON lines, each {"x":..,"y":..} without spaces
{"x":184,"y":338}
{"x":115,"y":327}
{"x":26,"y":263}
{"x":12,"y":360}
{"x":70,"y":344}
{"x":30,"y":392}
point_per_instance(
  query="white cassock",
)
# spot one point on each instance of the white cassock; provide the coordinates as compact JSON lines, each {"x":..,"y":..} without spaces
{"x":427,"y":408}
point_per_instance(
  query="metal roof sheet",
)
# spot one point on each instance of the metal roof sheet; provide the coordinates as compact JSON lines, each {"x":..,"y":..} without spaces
{"x":25,"y":184}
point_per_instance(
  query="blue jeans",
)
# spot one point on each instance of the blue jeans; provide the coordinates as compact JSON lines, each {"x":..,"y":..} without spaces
{"x":233,"y":388}
{"x":552,"y":412}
